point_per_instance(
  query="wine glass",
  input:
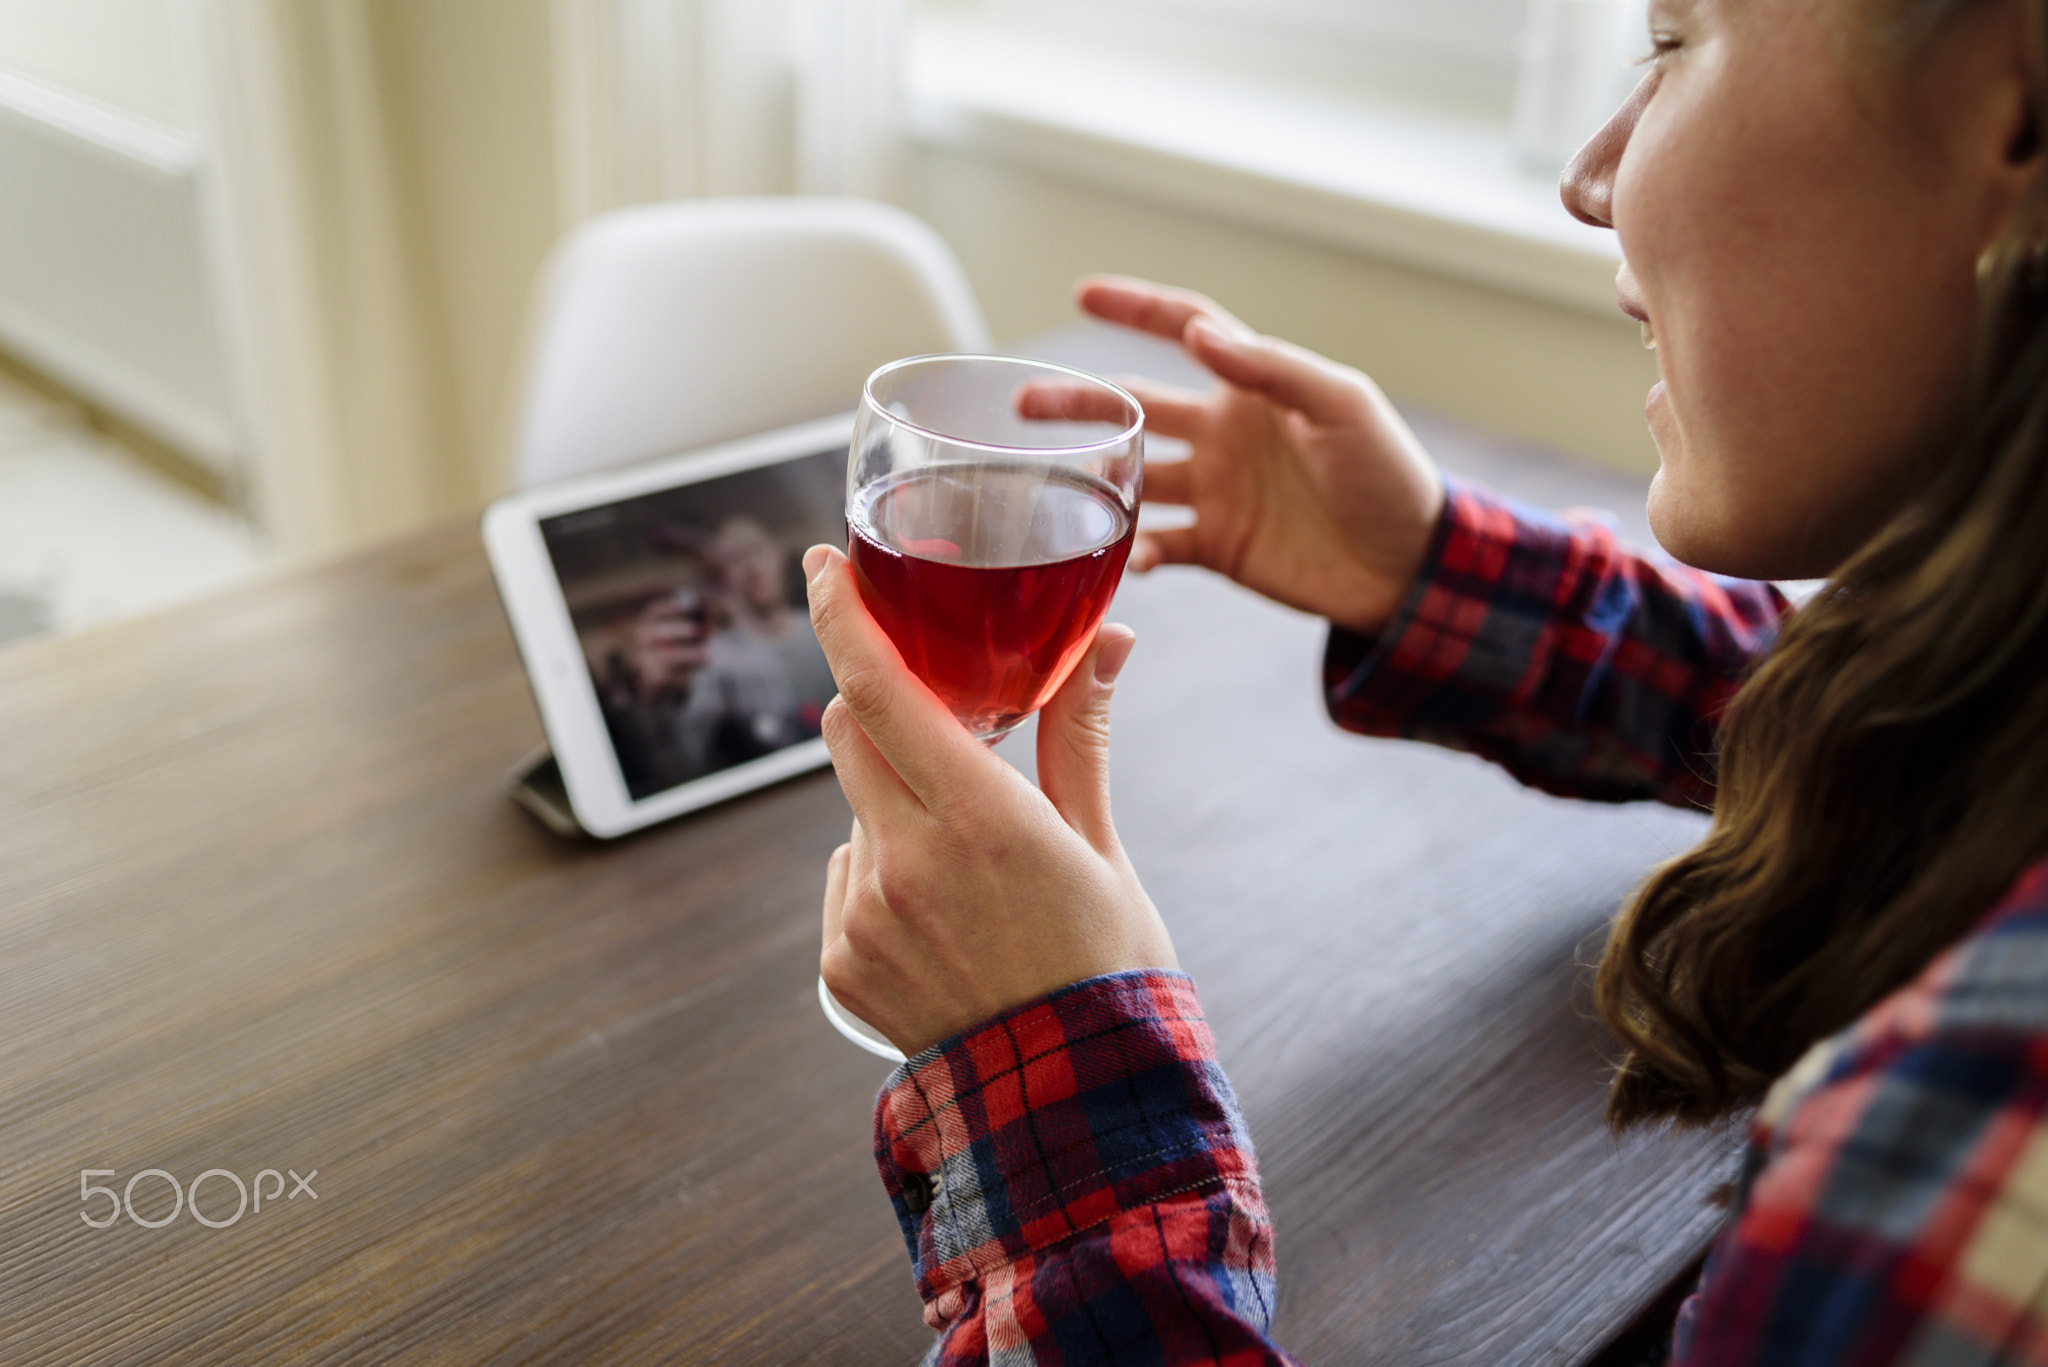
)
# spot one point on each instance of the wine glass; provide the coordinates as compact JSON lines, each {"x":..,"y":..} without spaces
{"x":990,"y":506}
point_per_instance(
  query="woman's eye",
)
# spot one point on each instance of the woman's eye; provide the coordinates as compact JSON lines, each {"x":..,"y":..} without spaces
{"x":1662,"y":44}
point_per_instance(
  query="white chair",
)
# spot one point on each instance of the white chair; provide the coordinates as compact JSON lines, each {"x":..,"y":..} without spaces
{"x":666,"y":326}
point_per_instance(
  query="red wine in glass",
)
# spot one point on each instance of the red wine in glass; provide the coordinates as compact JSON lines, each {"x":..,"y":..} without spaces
{"x":990,"y":577}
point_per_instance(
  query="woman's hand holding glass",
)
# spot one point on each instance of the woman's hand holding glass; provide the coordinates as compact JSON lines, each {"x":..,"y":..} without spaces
{"x":1305,"y":484}
{"x":964,"y":890}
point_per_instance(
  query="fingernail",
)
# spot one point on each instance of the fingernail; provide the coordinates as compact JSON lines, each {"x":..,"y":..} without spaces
{"x":815,"y":560}
{"x":1213,"y":334}
{"x":1115,"y":653}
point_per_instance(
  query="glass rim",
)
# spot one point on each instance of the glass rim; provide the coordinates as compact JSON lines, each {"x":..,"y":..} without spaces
{"x":1136,"y":427}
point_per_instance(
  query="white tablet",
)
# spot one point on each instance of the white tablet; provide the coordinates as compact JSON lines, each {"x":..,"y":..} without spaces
{"x":660,"y":613}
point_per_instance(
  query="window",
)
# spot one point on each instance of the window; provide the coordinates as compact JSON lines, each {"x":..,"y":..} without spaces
{"x":1474,"y":39}
{"x":1384,"y":126}
{"x":1460,"y":51}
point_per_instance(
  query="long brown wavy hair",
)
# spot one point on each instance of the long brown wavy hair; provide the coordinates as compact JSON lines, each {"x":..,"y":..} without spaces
{"x":1883,"y":777}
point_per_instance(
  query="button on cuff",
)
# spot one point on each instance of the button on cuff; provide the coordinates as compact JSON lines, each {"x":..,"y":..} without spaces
{"x":919,"y":1191}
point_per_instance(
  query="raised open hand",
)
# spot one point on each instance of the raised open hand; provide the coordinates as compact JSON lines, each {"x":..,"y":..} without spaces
{"x":1305,"y":484}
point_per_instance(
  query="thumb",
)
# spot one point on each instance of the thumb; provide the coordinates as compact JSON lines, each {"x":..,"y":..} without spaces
{"x":1073,"y":738}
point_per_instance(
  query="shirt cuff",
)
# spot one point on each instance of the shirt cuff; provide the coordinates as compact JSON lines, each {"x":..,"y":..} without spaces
{"x":1469,"y":637}
{"x":1053,"y":1117}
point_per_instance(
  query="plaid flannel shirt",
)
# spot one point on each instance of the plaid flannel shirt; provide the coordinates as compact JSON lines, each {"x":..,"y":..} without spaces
{"x":1075,"y":1184}
{"x":1544,"y":645}
{"x":1894,"y":1196}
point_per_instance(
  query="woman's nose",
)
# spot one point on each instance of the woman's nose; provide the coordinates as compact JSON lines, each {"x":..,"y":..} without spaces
{"x":1588,"y":185}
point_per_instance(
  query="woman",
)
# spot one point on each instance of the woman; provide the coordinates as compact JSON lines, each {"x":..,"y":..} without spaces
{"x":1832,"y":216}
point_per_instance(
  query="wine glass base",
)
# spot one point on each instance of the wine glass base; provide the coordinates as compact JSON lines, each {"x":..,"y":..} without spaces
{"x":854,"y":1028}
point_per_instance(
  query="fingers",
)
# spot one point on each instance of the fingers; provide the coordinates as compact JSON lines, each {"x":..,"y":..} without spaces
{"x":1072,"y":401}
{"x":1161,"y":310}
{"x":1073,"y":739}
{"x":835,"y":892}
{"x":846,"y":969}
{"x":1174,"y":546}
{"x":1169,"y":481}
{"x":1320,"y":390}
{"x":1170,"y":411}
{"x":909,"y":730}
{"x":873,"y":788}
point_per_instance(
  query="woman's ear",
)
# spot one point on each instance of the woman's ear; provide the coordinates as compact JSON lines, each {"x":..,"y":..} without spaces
{"x":1994,"y":78}
{"x":2024,"y":147}
{"x":2008,"y":64}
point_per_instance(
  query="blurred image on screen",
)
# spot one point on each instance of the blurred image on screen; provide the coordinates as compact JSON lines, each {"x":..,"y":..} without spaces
{"x":689,"y":606}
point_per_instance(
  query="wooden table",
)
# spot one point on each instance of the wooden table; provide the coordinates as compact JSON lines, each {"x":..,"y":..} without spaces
{"x":264,"y":907}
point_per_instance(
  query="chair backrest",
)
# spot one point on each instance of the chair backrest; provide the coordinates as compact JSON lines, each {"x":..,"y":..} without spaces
{"x":666,"y":326}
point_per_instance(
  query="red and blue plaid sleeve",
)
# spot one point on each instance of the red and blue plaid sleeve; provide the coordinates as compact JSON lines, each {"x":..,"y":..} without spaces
{"x":1544,"y":645}
{"x":1894,"y":1209}
{"x":1075,"y":1185}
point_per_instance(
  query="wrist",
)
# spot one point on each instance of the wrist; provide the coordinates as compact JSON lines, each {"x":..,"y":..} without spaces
{"x":1386,"y":579}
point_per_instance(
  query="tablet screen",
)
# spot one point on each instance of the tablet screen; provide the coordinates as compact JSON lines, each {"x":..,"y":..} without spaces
{"x":689,"y":606}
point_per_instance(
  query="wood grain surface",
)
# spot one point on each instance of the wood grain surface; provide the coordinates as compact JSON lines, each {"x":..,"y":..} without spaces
{"x":264,"y":906}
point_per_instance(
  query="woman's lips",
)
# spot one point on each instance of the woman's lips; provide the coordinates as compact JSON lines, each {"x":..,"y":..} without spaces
{"x":1625,"y":300}
{"x":1633,"y":307}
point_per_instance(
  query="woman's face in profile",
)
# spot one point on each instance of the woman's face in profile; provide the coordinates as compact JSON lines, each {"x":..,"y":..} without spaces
{"x":1801,"y":210}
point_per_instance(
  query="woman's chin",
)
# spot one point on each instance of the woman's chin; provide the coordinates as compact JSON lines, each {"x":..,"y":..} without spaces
{"x":1664,"y":525}
{"x":1719,"y":540}
{"x":1689,"y":533}
{"x":1690,"y":527}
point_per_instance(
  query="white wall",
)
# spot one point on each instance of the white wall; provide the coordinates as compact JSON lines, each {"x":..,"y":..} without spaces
{"x":470,"y":99}
{"x":105,"y":278}
{"x":117,"y":51}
